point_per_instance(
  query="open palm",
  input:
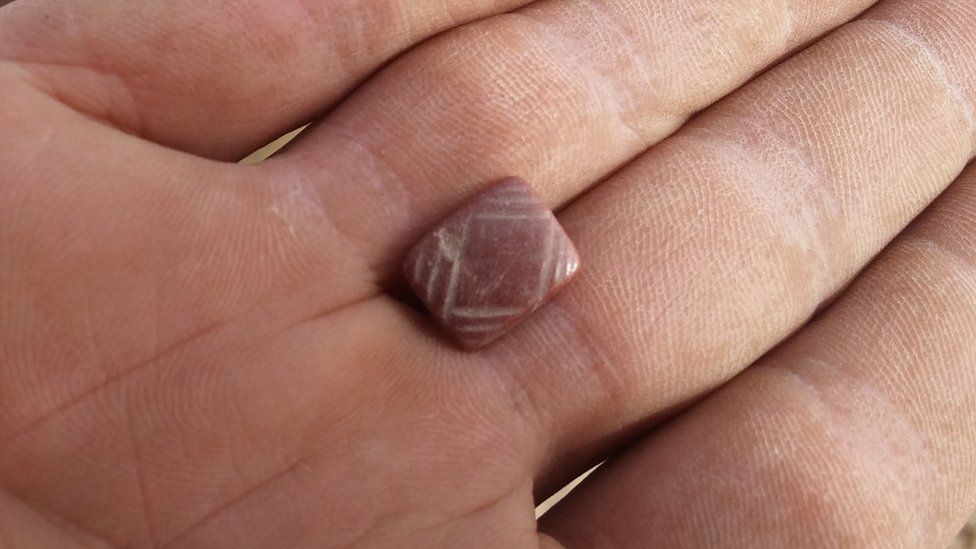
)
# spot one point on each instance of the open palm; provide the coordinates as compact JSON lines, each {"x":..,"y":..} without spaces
{"x":198,"y":353}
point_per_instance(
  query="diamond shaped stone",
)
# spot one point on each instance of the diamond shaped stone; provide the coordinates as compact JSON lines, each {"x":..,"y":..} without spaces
{"x":490,"y":263}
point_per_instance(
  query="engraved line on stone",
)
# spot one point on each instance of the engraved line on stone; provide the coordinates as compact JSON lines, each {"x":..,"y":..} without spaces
{"x":507,"y":217}
{"x":571,"y":265}
{"x":457,"y":261}
{"x":477,"y":328}
{"x":511,"y":208}
{"x":512,"y":202}
{"x":570,"y":261}
{"x":508,"y":190}
{"x":488,"y":312}
{"x":432,"y":278}
{"x":545,"y":266}
{"x":448,"y":245}
{"x":510,"y":194}
{"x":558,"y":274}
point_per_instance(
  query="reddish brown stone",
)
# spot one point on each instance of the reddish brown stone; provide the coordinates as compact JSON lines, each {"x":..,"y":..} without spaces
{"x":491,"y":263}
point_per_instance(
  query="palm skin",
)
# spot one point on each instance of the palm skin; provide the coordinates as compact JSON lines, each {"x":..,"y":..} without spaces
{"x":196,"y":353}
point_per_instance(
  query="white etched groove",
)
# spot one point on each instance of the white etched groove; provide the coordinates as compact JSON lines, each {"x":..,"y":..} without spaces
{"x":477,"y":328}
{"x":487,"y":312}
{"x":509,"y":196}
{"x":511,"y":204}
{"x":573,"y":264}
{"x":511,"y":216}
{"x":508,"y":189}
{"x":435,"y":271}
{"x":545,"y":266}
{"x":456,"y":264}
{"x":570,"y":261}
{"x":509,"y":192}
{"x":559,"y":248}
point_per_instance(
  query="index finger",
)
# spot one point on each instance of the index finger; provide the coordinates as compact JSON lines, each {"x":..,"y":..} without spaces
{"x":859,"y":429}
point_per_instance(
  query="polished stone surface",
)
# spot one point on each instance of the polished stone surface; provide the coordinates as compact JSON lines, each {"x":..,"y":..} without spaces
{"x":491,"y":263}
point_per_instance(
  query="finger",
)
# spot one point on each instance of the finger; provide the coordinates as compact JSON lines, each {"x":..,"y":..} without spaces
{"x":860,"y":429}
{"x":114,"y":252}
{"x":177,"y":334}
{"x":706,"y":252}
{"x":561,"y":92}
{"x":165,"y":449}
{"x":215,"y":78}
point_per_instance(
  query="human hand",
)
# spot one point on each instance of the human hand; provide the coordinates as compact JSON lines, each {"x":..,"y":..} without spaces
{"x":198,"y":353}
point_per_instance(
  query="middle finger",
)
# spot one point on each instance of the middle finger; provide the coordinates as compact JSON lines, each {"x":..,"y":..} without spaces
{"x":561,"y":92}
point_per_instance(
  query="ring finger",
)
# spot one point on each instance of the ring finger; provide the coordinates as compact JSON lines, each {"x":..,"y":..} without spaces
{"x":859,"y":432}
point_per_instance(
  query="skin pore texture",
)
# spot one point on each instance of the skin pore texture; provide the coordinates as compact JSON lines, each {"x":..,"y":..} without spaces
{"x":770,"y":341}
